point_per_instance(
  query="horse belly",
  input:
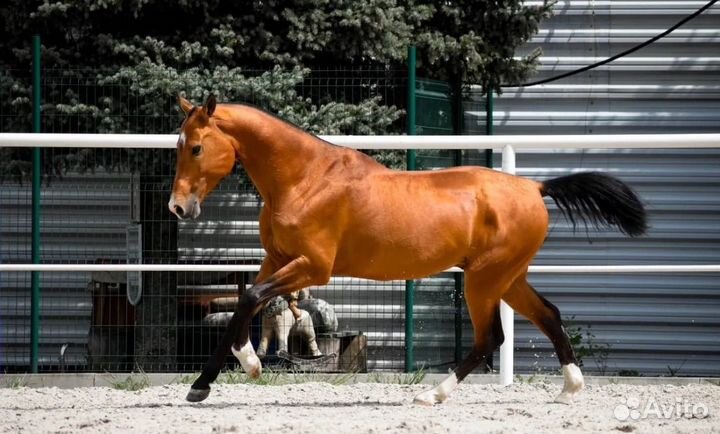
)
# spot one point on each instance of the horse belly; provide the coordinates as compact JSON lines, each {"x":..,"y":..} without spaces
{"x":394,"y":264}
{"x":407,"y":242}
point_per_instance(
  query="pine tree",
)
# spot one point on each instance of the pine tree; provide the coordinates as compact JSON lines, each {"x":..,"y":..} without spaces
{"x":159,"y":48}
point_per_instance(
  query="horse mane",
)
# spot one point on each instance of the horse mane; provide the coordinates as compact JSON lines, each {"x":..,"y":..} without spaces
{"x":285,"y":121}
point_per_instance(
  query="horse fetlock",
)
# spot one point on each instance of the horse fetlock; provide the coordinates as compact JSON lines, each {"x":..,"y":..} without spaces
{"x":248,"y":360}
{"x":574,"y":383}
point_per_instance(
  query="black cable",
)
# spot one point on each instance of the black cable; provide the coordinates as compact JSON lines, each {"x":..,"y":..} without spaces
{"x":619,"y":55}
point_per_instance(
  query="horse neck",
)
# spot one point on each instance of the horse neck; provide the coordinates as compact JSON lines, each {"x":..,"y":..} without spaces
{"x":275,"y":155}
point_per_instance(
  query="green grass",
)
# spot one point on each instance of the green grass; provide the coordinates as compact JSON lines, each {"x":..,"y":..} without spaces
{"x":131,"y":383}
{"x":188,"y":378}
{"x":410,"y":378}
{"x":527,"y":379}
{"x":271,"y":377}
{"x":16,"y":382}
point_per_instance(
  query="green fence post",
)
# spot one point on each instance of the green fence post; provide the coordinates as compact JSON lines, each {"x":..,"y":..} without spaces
{"x":458,"y":126}
{"x":409,"y":284}
{"x":489,"y":128}
{"x":36,"y":171}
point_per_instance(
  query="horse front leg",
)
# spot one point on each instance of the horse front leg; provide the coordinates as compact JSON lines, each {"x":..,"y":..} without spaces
{"x":297,"y":274}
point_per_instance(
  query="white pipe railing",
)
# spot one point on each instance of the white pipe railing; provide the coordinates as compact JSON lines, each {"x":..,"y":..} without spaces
{"x":508,"y":144}
{"x":507,"y":315}
{"x":539,"y":269}
{"x":576,"y":141}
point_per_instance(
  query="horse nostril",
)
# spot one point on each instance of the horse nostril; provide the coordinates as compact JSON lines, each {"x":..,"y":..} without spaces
{"x":179,"y":211}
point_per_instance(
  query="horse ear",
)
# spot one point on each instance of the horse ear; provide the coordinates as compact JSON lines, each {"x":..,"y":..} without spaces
{"x":185,"y":105}
{"x":210,"y":105}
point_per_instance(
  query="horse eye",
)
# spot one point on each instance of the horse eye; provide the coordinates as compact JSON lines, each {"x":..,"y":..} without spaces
{"x":196,"y":150}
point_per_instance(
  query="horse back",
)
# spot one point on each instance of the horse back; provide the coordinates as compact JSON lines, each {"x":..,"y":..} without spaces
{"x":420,"y":221}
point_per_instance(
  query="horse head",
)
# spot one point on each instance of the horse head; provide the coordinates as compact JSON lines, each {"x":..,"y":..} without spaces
{"x":205,"y":155}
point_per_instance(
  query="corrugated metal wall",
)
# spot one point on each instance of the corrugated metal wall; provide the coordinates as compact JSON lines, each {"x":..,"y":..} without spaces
{"x":651,"y":324}
{"x":84,"y":218}
{"x":669,"y":86}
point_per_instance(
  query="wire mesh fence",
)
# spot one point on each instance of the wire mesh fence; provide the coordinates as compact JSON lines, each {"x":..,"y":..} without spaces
{"x":165,"y":321}
{"x":110,"y":206}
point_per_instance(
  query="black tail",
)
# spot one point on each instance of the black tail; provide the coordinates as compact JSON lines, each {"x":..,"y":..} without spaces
{"x":601,"y":199}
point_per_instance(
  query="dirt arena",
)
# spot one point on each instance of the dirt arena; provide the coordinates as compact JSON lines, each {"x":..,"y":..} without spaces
{"x":361,"y":408}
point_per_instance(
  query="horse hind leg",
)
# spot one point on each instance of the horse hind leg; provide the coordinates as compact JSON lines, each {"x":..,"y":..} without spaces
{"x":484,"y":309}
{"x":523,"y":298}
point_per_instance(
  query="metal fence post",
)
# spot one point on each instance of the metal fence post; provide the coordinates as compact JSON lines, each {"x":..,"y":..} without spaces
{"x":36,"y":172}
{"x":458,"y":294}
{"x":409,"y":284}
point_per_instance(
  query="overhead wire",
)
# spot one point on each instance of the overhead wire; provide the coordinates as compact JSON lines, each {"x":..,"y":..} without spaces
{"x":619,"y":55}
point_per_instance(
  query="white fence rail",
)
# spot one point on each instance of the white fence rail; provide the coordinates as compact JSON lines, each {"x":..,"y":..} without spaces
{"x":604,"y":141}
{"x":508,"y":144}
{"x":578,"y":269}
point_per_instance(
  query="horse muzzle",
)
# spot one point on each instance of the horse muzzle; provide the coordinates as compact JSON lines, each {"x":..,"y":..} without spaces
{"x":188,"y":209}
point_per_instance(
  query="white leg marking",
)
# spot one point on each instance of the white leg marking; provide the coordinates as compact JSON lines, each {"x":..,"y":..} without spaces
{"x":574,"y":383}
{"x":248,"y":359}
{"x":439,"y":393}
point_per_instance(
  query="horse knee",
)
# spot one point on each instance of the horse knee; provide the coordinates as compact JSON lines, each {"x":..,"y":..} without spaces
{"x":251,"y":298}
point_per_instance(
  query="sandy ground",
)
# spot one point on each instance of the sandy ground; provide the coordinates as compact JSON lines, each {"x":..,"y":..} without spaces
{"x":360,"y":408}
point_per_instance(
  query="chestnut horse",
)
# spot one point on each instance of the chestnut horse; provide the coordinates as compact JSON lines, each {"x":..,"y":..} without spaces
{"x":330,"y":211}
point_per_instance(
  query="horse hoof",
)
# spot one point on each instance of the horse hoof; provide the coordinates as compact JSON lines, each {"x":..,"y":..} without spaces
{"x":197,"y":395}
{"x":423,"y":402}
{"x":255,"y":372}
{"x":565,"y":398}
{"x":427,"y":399}
{"x":574,"y":383}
